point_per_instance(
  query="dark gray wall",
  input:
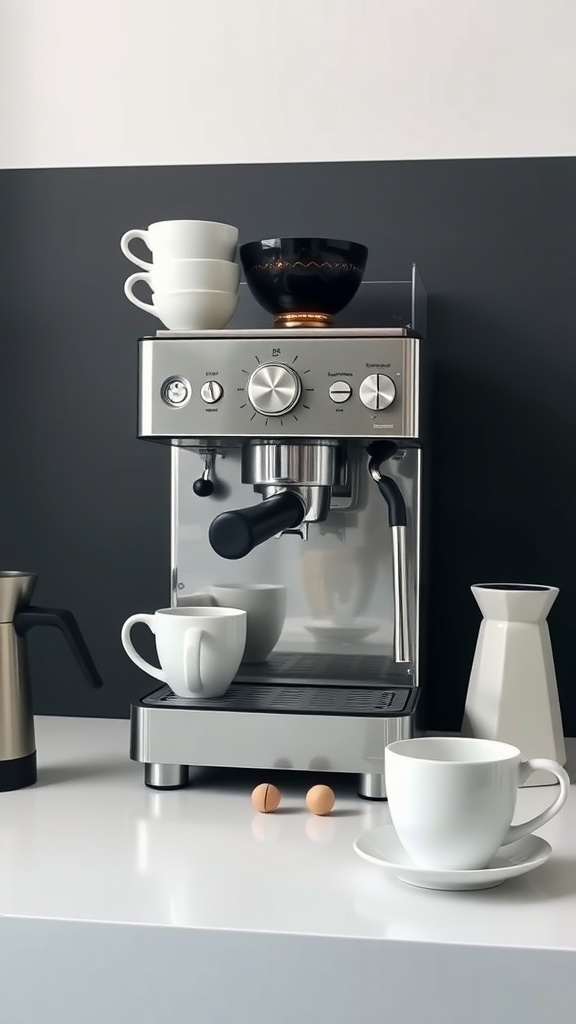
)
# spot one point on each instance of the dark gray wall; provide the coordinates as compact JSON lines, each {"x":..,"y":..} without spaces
{"x":86,"y":504}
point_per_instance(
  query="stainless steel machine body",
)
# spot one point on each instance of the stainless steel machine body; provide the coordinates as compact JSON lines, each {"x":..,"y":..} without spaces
{"x":260,"y":418}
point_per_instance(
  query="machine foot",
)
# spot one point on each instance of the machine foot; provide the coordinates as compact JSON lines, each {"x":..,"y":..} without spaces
{"x":166,"y":776}
{"x":372,"y":787}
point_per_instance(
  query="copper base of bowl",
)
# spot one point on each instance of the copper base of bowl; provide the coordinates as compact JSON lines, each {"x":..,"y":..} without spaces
{"x":303,"y":320}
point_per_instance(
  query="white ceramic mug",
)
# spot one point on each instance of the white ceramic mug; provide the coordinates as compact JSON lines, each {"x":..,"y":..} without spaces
{"x":265,"y":605}
{"x":199,"y":649}
{"x":191,"y":310}
{"x":452,"y":799}
{"x":183,"y":239}
{"x":187,"y":275}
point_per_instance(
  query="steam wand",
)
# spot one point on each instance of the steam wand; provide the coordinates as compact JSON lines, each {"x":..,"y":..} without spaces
{"x":379,"y":452}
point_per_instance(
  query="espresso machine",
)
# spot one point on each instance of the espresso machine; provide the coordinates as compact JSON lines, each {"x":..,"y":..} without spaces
{"x":296,"y":459}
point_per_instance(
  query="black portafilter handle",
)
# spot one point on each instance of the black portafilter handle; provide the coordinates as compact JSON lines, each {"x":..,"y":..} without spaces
{"x":65,"y":621}
{"x":236,"y":534}
{"x":379,"y":452}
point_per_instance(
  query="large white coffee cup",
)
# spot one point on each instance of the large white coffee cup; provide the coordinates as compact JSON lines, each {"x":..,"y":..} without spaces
{"x":452,"y":799}
{"x":264,"y":604}
{"x":183,"y":239}
{"x":192,"y":310}
{"x":199,"y":649}
{"x":187,"y":275}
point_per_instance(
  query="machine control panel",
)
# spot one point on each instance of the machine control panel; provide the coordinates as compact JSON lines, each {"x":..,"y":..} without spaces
{"x":290,"y":383}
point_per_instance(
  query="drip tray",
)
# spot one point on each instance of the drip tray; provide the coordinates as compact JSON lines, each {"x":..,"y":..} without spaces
{"x":314,"y":669}
{"x":348,"y":701}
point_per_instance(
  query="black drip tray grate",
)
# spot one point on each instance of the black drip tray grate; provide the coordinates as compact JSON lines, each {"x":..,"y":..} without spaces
{"x":298,"y":700}
{"x":353,"y":669}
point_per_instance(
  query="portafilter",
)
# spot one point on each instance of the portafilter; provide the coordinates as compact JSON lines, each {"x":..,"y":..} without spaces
{"x":296,"y":481}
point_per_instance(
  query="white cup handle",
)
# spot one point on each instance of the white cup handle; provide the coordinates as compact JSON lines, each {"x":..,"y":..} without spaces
{"x":130,"y":649}
{"x":128,"y":285}
{"x":191,"y":652}
{"x":535,"y":764}
{"x":125,"y":246}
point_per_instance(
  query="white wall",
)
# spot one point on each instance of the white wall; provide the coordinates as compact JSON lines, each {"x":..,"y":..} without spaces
{"x":119,"y":82}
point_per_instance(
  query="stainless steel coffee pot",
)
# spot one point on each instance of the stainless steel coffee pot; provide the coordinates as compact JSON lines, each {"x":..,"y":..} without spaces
{"x":17,"y":616}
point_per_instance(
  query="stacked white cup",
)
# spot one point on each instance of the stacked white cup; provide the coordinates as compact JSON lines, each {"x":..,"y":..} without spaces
{"x":193,"y":275}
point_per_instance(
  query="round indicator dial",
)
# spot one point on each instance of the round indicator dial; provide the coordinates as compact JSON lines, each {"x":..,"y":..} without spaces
{"x":176,"y":391}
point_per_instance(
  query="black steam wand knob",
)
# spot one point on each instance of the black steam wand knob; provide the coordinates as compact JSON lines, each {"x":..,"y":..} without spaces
{"x":203,"y":487}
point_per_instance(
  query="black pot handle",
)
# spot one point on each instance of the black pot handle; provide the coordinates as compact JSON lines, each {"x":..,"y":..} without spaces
{"x":64,"y":620}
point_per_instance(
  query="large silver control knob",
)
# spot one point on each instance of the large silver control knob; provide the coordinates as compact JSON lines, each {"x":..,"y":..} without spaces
{"x":274,"y":389}
{"x":377,"y":391}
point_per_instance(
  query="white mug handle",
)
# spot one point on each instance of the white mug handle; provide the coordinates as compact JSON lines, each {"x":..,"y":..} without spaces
{"x":125,"y":246}
{"x":128,"y":285}
{"x":535,"y":764}
{"x":130,"y":649}
{"x":191,"y":653}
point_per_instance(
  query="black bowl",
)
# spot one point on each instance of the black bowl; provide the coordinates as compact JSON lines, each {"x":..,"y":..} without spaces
{"x":303,"y":281}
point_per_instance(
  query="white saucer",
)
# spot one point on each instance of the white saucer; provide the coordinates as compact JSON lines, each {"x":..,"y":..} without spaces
{"x":345,"y":634}
{"x":381,"y":846}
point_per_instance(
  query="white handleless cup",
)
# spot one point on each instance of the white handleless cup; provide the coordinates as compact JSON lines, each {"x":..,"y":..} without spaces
{"x":199,"y":649}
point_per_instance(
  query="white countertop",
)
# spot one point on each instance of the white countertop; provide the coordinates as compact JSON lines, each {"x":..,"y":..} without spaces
{"x":89,"y":843}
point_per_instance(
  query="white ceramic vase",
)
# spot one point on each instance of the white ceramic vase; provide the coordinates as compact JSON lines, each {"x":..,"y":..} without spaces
{"x":512,"y":694}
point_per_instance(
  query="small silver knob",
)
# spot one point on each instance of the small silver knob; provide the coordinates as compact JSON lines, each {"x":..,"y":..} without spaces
{"x":340,"y":391}
{"x":274,"y":389}
{"x":211,"y":392}
{"x":377,"y":391}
